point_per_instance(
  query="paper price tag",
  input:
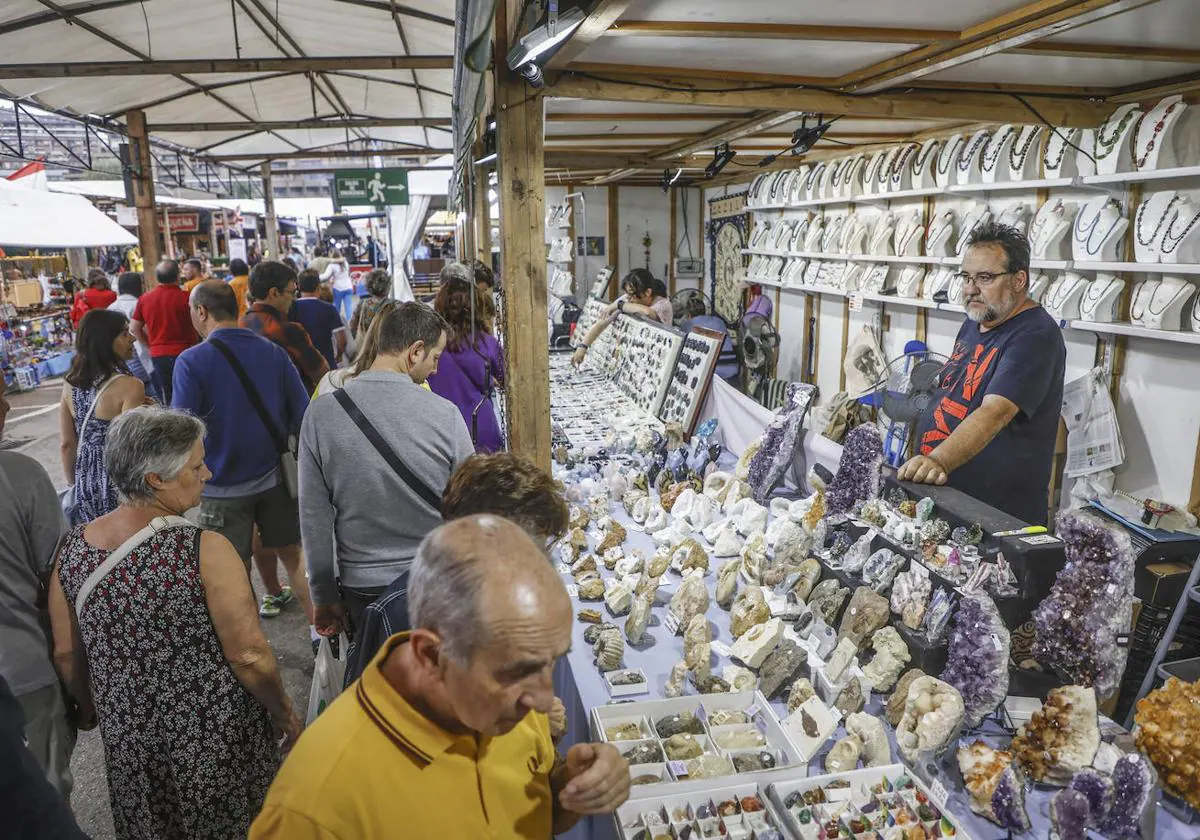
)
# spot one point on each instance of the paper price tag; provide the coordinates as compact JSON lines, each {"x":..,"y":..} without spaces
{"x":721,"y":649}
{"x":856,"y":302}
{"x":995,"y":641}
{"x":564,"y":569}
{"x":678,"y":769}
{"x":752,"y":711}
{"x":662,"y":581}
{"x":937,"y":792}
{"x":671,"y":623}
{"x":572,"y":590}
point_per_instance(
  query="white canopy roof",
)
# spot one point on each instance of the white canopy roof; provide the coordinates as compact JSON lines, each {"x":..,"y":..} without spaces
{"x":37,"y":219}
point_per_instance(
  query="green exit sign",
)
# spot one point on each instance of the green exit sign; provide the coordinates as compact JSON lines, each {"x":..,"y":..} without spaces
{"x":370,"y":187}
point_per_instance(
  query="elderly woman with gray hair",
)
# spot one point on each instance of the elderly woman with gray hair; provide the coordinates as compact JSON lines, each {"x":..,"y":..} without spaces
{"x":156,"y":635}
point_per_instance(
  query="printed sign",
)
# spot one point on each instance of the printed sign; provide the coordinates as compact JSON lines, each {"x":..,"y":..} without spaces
{"x":378,"y":187}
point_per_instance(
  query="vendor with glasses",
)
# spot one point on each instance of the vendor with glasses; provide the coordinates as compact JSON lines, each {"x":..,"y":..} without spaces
{"x":644,"y":294}
{"x":994,"y":420}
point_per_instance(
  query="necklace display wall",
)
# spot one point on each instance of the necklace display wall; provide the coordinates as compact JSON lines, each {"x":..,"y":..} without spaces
{"x":968,"y":170}
{"x":691,"y":378}
{"x":1097,"y":231}
{"x":1113,"y":151}
{"x":1063,"y":296}
{"x":1048,"y":233}
{"x":993,"y":161}
{"x":946,"y":166}
{"x":1101,"y":301}
{"x":1059,"y":160}
{"x":1180,"y":242}
{"x":976,"y":216}
{"x":1150,"y":225}
{"x":1154,"y":144}
{"x":1025,"y":154}
{"x":924,"y":165}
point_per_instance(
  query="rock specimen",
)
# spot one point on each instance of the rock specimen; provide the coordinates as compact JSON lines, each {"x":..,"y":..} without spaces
{"x":727,"y":583}
{"x":801,"y":690}
{"x":754,"y":557}
{"x":741,"y":739}
{"x":895,"y":704}
{"x":591,"y":589}
{"x":737,"y":491}
{"x":639,"y":617}
{"x":677,"y":680}
{"x":711,"y":684}
{"x":609,"y":650}
{"x":682,"y":746}
{"x":788,"y":540}
{"x":994,"y":784}
{"x":739,"y":678}
{"x":868,"y":729}
{"x":868,"y":611}
{"x":709,"y":767}
{"x":752,"y":647}
{"x":856,"y":556}
{"x":589,"y":616}
{"x":613,"y":539}
{"x":592,"y":634}
{"x":780,"y":440}
{"x":641,"y":510}
{"x":827,"y":599}
{"x":1061,"y":738}
{"x":612,"y":557}
{"x":623,"y":732}
{"x":852,"y":698}
{"x":910,"y":594}
{"x":1098,"y":788}
{"x":1133,"y":792}
{"x":619,"y":597}
{"x":586,"y":563}
{"x":685,"y":721}
{"x":672,"y":494}
{"x":697,"y":646}
{"x":647,"y":752}
{"x":858,"y":473}
{"x":634,"y":563}
{"x":716,"y":485}
{"x":781,"y":668}
{"x":656,"y":521}
{"x":659,"y":563}
{"x":891,"y":655}
{"x":727,"y":542}
{"x":689,"y":555}
{"x":1169,"y":734}
{"x":881,"y":568}
{"x":810,"y":573}
{"x":841,"y":658}
{"x":843,"y":756}
{"x":747,"y":762}
{"x":750,"y":517}
{"x":690,"y":599}
{"x":933,"y":715}
{"x":749,"y":608}
{"x":977,"y":661}
{"x":1070,"y":814}
{"x":631,"y":497}
{"x":1076,"y":626}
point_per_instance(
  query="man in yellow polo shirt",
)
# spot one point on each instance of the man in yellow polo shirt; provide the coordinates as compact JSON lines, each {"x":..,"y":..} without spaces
{"x":445,"y":735}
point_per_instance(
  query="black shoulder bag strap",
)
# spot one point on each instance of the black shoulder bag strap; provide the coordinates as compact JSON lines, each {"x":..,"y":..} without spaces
{"x":381,"y":446}
{"x":255,"y":400}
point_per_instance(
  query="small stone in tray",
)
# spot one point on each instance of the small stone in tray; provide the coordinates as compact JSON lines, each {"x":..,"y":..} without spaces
{"x":727,"y":717}
{"x":623,"y":732}
{"x":753,"y":762}
{"x":646,"y":779}
{"x":685,"y":721}
{"x":712,"y":685}
{"x":647,"y":753}
{"x":627,"y":678}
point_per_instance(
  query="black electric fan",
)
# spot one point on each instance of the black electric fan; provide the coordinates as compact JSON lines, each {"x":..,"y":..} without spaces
{"x":908,"y":391}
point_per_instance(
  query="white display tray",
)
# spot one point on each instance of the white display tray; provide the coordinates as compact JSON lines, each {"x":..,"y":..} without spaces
{"x":631,"y":818}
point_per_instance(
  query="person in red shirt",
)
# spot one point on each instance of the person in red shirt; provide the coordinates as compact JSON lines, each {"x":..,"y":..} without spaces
{"x":97,"y":295}
{"x":163,"y":321}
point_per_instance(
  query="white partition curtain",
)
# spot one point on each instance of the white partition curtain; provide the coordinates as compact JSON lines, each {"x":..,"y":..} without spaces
{"x":407,"y":222}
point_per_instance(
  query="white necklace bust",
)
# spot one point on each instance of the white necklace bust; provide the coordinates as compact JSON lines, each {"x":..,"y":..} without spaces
{"x":1101,"y":302}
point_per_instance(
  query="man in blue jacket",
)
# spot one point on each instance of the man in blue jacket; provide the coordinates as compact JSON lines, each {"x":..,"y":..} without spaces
{"x":247,"y":488}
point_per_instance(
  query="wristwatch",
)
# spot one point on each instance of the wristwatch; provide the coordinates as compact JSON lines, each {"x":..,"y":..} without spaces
{"x":621,"y":305}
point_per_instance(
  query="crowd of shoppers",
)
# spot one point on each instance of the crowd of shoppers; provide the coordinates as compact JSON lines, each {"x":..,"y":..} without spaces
{"x":141,"y":619}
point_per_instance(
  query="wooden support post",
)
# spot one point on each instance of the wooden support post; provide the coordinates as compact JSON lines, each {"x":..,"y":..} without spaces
{"x":272,"y":251}
{"x":577,"y":286}
{"x":614,"y":238}
{"x":811,"y":335}
{"x":519,"y":136}
{"x":671,"y":250}
{"x":845,"y":343}
{"x":142,"y":178}
{"x":481,"y":218}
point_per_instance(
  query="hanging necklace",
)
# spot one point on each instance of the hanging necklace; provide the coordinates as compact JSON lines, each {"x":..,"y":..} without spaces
{"x":1014,"y":217}
{"x":1173,"y":288}
{"x":1094,"y":297}
{"x":935,"y":234}
{"x":965,"y":233}
{"x":1141,"y":215}
{"x":1140,"y":298}
{"x":922,"y":159}
{"x":1170,"y":240}
{"x":910,"y":233}
{"x":884,"y":175}
{"x":947,"y":154}
{"x":1080,"y":234}
{"x":1158,"y":128}
{"x":1105,"y":145}
{"x":1064,"y":143}
{"x":902,"y":163}
{"x":1041,"y":220}
{"x":872,"y":173}
{"x":797,"y":241}
{"x":991,"y":158}
{"x":1017,"y":156}
{"x":831,"y":233}
{"x":1088,"y":245}
{"x":968,"y":157}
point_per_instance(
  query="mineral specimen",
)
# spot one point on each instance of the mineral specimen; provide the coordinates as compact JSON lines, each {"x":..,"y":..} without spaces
{"x":623,"y":732}
{"x":656,"y":521}
{"x":589,"y":616}
{"x":827,"y":599}
{"x":677,"y":680}
{"x":591,"y":590}
{"x":641,"y":510}
{"x":868,"y":611}
{"x":619,"y":597}
{"x":935,"y":530}
{"x":749,"y":608}
{"x":1070,"y":814}
{"x":880,"y":569}
{"x":681,"y":746}
{"x":754,"y":557}
{"x":933,"y":714}
{"x":685,"y":721}
{"x":1168,"y":724}
{"x":1098,"y":788}
{"x":868,"y":729}
{"x":838,"y":548}
{"x":994,"y":784}
{"x":1061,"y":738}
{"x":809,"y":724}
{"x":727,"y":543}
{"x":711,"y":684}
{"x":646,"y":779}
{"x":891,"y":655}
{"x":639,"y":617}
{"x":801,"y":690}
{"x":752,"y":762}
{"x":586,"y":563}
{"x":727,"y":717}
{"x":613,"y":539}
{"x":709,"y":767}
{"x":646,"y":752}
{"x":752,"y":647}
{"x":789,"y":541}
{"x":977,"y":663}
{"x":688,"y":555}
{"x":727,"y":583}
{"x":843,"y":756}
{"x":858,"y":474}
{"x":634,"y":563}
{"x":780,"y":440}
{"x":690,"y":599}
{"x":841,"y":659}
{"x":851,"y":699}
{"x":742,"y":739}
{"x":856,"y":556}
{"x":911,"y":588}
{"x":750,"y":516}
{"x":659,"y":563}
{"x":781,"y":668}
{"x":611,"y":557}
{"x":592,"y":634}
{"x":924,"y":509}
{"x":609,"y":650}
{"x":1133,"y":791}
{"x":810,"y":573}
{"x":895,"y":704}
{"x":739,"y":678}
{"x":1076,"y":626}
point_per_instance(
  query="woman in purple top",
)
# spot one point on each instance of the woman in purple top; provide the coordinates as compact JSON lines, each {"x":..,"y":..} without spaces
{"x":473,"y":364}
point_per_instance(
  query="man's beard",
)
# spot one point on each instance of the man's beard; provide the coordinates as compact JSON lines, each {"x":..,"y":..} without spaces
{"x":991,"y":313}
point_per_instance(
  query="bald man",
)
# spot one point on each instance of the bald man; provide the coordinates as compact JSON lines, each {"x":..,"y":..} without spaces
{"x":446,"y":733}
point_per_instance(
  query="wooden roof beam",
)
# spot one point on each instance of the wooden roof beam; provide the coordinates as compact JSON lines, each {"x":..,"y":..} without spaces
{"x":602,"y":16}
{"x":297,"y":125}
{"x":912,"y":104}
{"x":327,"y":154}
{"x":170,"y":67}
{"x":641,"y":116}
{"x":1032,"y":22}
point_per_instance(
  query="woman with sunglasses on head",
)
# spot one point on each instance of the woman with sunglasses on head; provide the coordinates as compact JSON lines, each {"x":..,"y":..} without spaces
{"x":643,"y":294}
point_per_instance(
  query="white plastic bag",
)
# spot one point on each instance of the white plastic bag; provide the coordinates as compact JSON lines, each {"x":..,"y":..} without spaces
{"x":328,"y":673}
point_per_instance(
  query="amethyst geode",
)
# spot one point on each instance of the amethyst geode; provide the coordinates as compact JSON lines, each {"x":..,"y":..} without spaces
{"x":1076,"y":626}
{"x":977,"y":663}
{"x":858,"y":474}
{"x":780,"y":441}
{"x":1098,"y":788}
{"x":1133,"y":788}
{"x":1070,"y":814}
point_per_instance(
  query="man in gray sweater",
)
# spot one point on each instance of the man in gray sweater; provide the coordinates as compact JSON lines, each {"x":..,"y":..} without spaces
{"x":355,"y":503}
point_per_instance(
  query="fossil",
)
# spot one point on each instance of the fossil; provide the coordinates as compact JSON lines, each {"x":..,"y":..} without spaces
{"x":609,"y":650}
{"x":589,"y":616}
{"x":809,"y":724}
{"x":628,"y":678}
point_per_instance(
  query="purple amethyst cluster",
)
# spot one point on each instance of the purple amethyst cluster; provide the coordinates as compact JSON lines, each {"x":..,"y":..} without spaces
{"x":779,"y":442}
{"x":858,"y":474}
{"x":977,"y":663}
{"x":1008,"y":802}
{"x":1076,"y":626}
{"x":1133,"y":788}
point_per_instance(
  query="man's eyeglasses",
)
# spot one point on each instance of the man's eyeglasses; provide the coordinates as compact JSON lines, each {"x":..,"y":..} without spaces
{"x":981,"y":280}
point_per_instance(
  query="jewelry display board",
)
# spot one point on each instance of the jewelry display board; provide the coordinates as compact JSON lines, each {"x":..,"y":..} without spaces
{"x":645,"y":353}
{"x":691,"y":378}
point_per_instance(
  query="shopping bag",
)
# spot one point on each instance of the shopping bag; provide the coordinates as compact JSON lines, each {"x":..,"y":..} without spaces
{"x":328,"y":673}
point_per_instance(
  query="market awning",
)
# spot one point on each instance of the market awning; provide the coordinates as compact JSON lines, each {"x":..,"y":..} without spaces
{"x":37,"y":219}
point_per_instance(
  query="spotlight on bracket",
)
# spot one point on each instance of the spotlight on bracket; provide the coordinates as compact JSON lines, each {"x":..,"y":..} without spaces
{"x":668,"y":180}
{"x":804,"y":137}
{"x":541,"y":40}
{"x":722,"y":155}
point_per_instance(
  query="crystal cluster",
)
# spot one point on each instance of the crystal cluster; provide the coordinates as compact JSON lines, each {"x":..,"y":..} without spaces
{"x":779,"y":441}
{"x":1168,"y":725}
{"x":977,"y":663}
{"x":1061,"y":738}
{"x":1089,"y":605}
{"x":1070,"y":814}
{"x":858,"y":474}
{"x":1133,"y":790}
{"x":933,"y":714}
{"x":994,"y":783}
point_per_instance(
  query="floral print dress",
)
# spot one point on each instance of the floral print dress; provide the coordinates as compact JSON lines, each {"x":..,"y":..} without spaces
{"x":190,"y":753}
{"x":95,"y":495}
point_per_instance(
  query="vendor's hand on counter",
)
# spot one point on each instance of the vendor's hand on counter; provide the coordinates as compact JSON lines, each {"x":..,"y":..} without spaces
{"x":578,"y":356}
{"x":923,"y":470}
{"x":597,"y":779}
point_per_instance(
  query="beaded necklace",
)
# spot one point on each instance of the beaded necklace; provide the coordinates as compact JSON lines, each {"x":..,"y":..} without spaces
{"x":884,"y":175}
{"x":965,"y":233}
{"x":881,"y":231}
{"x":935,"y":234}
{"x":1062,"y":289}
{"x":1158,"y":128}
{"x":841,"y":169}
{"x":1141,"y":215}
{"x":1136,"y":313}
{"x":871,"y":175}
{"x":909,"y":235}
{"x":815,"y":231}
{"x":989,"y":158}
{"x":1017,"y":155}
{"x":796,"y":243}
{"x":1105,"y":146}
{"x":832,"y":230}
{"x":1164,"y":285}
{"x":901,"y":163}
{"x":968,"y":158}
{"x":1092,"y":296}
{"x":1065,"y":141}
{"x":947,"y":154}
{"x":813,"y":176}
{"x":1087,"y":241}
{"x":920,"y":161}
{"x":1170,"y":240}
